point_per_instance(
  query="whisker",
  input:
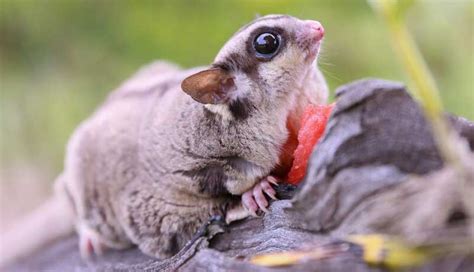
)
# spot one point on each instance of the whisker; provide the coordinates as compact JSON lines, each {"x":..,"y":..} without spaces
{"x":330,"y":74}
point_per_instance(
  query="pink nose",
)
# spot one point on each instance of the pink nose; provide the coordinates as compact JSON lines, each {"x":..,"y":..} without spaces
{"x":315,"y":28}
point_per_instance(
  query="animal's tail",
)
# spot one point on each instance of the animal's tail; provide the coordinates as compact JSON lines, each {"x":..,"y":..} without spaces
{"x":49,"y":222}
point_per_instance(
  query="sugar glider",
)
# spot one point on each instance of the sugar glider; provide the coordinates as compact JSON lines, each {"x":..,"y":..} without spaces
{"x":172,"y":147}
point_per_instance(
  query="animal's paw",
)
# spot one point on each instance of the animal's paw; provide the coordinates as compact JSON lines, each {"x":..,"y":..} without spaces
{"x":90,"y":242}
{"x":254,"y":199}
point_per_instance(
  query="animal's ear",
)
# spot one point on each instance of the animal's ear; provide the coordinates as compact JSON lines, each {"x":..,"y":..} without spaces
{"x":210,"y":86}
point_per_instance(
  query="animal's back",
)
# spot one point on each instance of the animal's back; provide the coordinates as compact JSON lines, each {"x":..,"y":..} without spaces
{"x":102,"y":153}
{"x":100,"y":159}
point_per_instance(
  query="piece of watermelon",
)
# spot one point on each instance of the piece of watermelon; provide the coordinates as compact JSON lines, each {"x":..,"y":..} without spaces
{"x":313,"y":124}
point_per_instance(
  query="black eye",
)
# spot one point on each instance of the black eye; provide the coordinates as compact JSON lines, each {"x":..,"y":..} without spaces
{"x":266,"y":45}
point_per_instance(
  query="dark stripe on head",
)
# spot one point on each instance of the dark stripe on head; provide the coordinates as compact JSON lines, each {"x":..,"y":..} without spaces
{"x":241,"y":108}
{"x":261,"y":19}
{"x":240,"y":62}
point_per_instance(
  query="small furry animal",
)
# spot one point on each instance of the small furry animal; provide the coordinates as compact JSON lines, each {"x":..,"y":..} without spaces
{"x":172,"y":147}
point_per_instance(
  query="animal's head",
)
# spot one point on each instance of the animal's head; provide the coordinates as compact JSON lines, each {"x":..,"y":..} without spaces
{"x":264,"y":61}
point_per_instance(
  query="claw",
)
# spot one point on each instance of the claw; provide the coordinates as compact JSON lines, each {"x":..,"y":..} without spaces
{"x":272,"y":180}
{"x":272,"y":196}
{"x":265,"y":210}
{"x":260,"y":198}
{"x":268,"y":189}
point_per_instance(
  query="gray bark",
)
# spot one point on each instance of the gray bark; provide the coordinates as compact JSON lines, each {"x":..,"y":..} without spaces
{"x":376,"y":169}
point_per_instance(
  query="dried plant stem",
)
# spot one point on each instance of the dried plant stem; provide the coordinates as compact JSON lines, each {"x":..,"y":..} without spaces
{"x":453,"y":150}
{"x":425,"y":89}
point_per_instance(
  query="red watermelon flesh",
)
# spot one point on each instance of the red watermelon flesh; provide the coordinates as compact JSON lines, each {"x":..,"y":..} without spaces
{"x":313,"y":124}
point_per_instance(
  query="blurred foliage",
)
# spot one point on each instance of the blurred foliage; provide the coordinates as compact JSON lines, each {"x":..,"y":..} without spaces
{"x":59,"y":59}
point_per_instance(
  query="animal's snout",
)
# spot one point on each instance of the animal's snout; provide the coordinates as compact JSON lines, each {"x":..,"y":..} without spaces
{"x":314,"y":29}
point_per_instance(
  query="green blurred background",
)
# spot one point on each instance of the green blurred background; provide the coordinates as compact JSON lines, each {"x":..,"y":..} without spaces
{"x":59,"y":59}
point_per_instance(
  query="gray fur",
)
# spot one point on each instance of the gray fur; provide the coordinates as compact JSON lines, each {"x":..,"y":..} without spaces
{"x":152,"y":164}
